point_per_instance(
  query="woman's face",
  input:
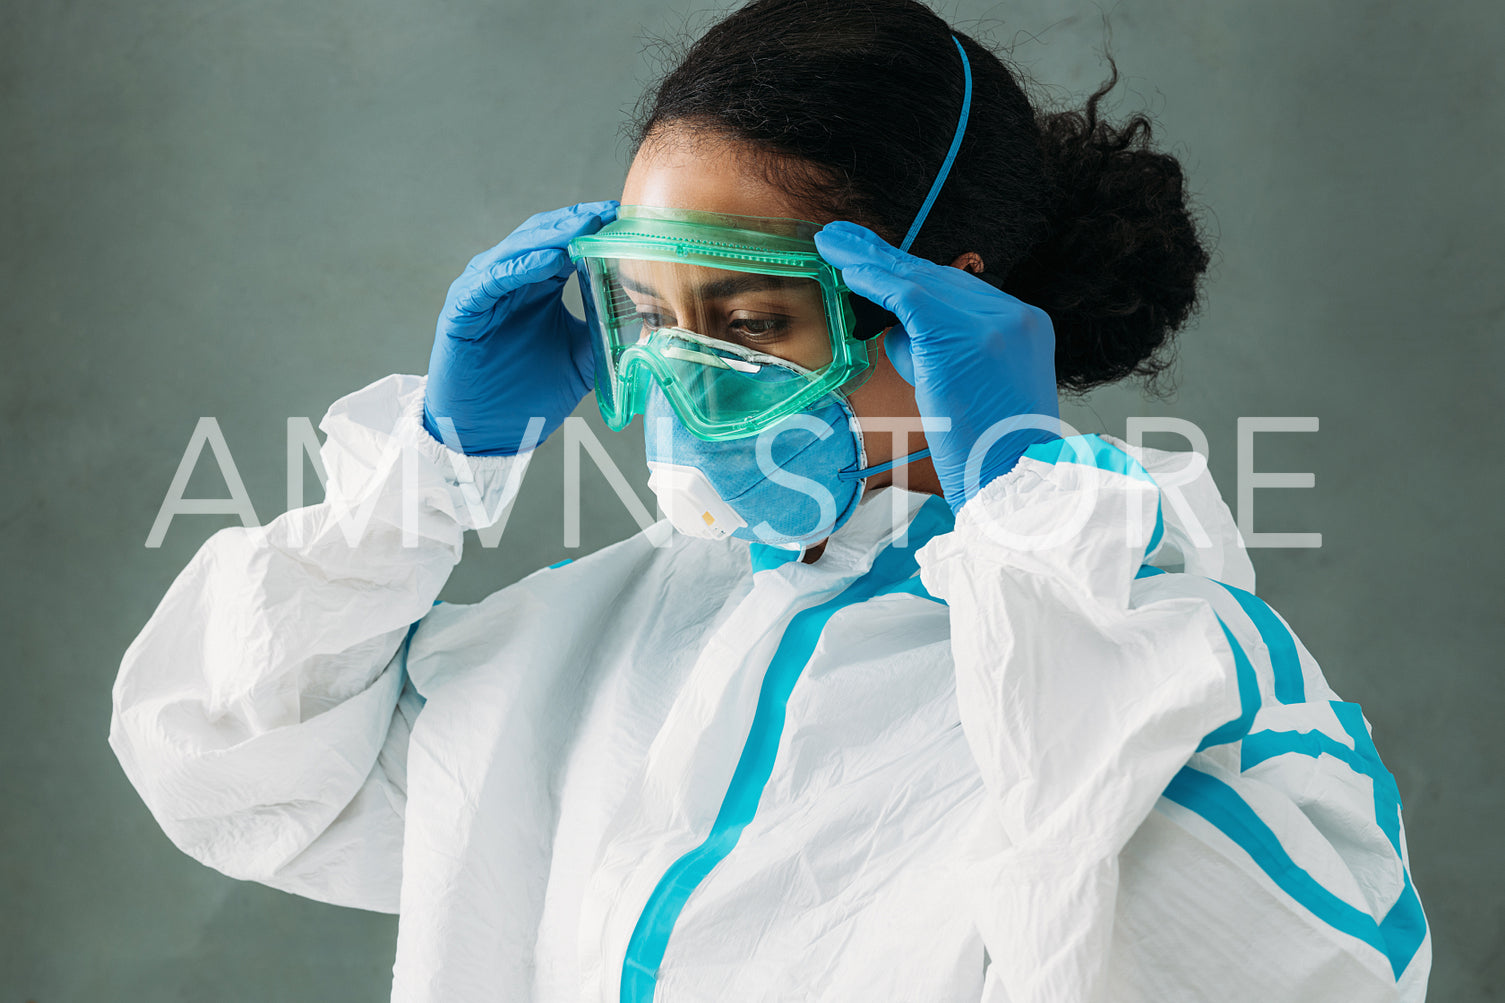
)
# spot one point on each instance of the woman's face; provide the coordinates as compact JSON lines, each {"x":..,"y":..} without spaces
{"x":678,"y":169}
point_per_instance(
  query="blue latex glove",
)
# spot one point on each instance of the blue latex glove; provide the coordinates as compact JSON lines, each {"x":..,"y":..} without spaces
{"x":506,"y":349}
{"x":974,"y":354}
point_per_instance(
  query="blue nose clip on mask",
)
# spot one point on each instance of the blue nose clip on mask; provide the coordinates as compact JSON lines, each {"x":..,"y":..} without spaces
{"x":793,"y":484}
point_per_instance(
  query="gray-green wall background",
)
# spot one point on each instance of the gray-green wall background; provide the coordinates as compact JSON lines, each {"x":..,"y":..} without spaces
{"x":249,"y":210}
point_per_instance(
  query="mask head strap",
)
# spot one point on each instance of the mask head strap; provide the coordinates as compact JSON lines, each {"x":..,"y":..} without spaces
{"x":956,"y":144}
{"x":871,"y":319}
{"x":854,"y":474}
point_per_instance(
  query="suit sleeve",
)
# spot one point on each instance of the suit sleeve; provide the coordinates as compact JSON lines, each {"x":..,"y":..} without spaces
{"x":262,"y":713}
{"x":1180,"y":807}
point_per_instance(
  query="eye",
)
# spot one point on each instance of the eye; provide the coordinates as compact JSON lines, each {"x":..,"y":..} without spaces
{"x":653,"y":321}
{"x":759,"y":327}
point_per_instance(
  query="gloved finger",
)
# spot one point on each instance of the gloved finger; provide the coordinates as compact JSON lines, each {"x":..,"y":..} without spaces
{"x":875,"y":269}
{"x":487,"y":286}
{"x":526,"y":269}
{"x":555,"y":228}
{"x":558,"y":227}
{"x":906,"y":299}
{"x":896,"y":347}
{"x":844,"y":243}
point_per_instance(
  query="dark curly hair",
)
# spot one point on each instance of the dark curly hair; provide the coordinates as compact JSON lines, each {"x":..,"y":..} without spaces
{"x":851,"y":106}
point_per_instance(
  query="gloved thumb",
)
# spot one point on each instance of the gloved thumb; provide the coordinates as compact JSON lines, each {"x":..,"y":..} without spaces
{"x":896,"y":346}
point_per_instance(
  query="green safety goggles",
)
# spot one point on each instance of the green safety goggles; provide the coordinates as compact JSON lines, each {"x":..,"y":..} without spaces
{"x":737,"y":319}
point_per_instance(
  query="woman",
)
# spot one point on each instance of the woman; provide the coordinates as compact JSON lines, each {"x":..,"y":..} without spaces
{"x":966,"y":740}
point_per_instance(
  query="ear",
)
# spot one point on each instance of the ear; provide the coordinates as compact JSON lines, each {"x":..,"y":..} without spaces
{"x":969,"y":261}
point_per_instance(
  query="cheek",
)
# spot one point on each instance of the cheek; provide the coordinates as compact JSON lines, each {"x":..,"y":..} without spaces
{"x":810,"y":348}
{"x":885,"y":397}
{"x":885,"y":394}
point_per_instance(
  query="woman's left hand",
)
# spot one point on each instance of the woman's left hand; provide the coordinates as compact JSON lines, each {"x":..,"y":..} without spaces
{"x":974,"y":354}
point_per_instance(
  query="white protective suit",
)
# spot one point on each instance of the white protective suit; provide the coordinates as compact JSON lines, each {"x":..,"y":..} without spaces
{"x":1038,"y":770}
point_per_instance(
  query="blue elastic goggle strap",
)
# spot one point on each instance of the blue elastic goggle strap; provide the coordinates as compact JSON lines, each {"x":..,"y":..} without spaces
{"x":956,"y":144}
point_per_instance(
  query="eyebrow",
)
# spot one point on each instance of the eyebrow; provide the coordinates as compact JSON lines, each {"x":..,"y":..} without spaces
{"x":747,"y":282}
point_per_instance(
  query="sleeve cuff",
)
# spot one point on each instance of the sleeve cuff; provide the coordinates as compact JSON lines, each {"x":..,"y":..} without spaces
{"x":376,"y":441}
{"x":1078,"y":507}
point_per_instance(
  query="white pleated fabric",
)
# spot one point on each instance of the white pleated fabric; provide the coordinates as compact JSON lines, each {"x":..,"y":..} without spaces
{"x":1055,"y":751}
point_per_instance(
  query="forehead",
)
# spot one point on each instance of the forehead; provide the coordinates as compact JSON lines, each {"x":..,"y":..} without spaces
{"x":681,"y":169}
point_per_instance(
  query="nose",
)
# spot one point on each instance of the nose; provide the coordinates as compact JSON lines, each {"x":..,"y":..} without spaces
{"x":692,"y":313}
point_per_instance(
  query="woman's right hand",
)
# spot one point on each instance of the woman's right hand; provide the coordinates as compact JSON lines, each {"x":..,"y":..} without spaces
{"x":506,"y":349}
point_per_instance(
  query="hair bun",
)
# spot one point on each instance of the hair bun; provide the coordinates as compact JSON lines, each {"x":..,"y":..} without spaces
{"x":1117,"y":268}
